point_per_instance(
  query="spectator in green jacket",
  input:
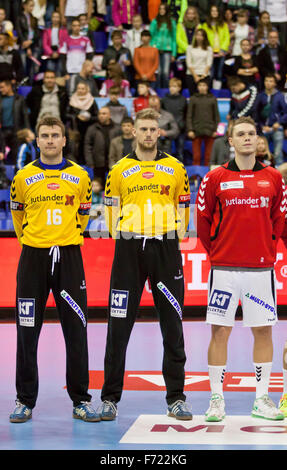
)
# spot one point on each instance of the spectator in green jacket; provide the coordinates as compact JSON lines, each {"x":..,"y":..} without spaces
{"x":185,"y":30}
{"x":163,"y":37}
{"x":219,"y":39}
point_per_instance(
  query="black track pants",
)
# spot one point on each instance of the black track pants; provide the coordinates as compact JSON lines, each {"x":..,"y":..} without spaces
{"x":39,"y":270}
{"x":136,"y":260}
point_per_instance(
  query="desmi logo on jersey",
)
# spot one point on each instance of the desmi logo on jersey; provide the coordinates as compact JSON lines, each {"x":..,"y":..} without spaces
{"x":131,"y":171}
{"x":119,"y":303}
{"x":26,"y":312}
{"x":165,"y":169}
{"x":34,"y":179}
{"x":219,"y":302}
{"x":71,"y":178}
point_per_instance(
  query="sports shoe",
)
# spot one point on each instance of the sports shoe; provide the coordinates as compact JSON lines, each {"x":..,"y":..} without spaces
{"x":283,"y":404}
{"x":264,"y":407}
{"x":21,"y":414}
{"x":107,"y":410}
{"x":216,"y":410}
{"x":179,"y":410}
{"x":86,"y":412}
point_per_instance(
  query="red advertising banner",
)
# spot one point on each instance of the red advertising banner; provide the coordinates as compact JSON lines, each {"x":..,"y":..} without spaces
{"x":98,"y":258}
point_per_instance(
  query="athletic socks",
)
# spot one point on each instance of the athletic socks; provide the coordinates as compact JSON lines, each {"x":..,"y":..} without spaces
{"x":262,"y":374}
{"x":216,"y":378}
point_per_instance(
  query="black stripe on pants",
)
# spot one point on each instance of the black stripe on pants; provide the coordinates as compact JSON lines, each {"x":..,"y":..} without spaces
{"x":34,"y":281}
{"x":134,"y":261}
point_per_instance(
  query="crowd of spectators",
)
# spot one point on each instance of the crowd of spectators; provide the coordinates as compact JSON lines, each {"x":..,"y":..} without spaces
{"x":173,"y":56}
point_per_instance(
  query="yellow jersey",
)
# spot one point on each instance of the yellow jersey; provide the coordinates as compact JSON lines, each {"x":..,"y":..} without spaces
{"x":50,"y":204}
{"x":149,"y":198}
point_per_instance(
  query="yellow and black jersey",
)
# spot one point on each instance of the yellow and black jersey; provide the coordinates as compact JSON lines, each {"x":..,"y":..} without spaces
{"x":50,"y":204}
{"x":149,"y":198}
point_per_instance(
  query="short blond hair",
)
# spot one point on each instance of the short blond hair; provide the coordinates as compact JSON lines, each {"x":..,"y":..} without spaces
{"x":147,"y":113}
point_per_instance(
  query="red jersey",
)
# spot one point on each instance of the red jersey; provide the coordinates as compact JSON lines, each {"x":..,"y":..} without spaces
{"x":241,"y":215}
{"x":140,"y":103}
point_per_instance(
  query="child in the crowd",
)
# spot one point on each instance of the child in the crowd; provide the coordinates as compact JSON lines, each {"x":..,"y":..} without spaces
{"x":133,"y":36}
{"x":123,"y":144}
{"x":26,"y":151}
{"x":176,"y":104}
{"x":97,"y":208}
{"x":201,"y":121}
{"x":97,"y":191}
{"x":118,"y":110}
{"x":146,"y":60}
{"x":142,"y":100}
{"x":116,"y":77}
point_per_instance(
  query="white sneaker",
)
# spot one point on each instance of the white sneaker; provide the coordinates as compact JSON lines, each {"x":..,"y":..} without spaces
{"x":216,"y":410}
{"x":264,"y":407}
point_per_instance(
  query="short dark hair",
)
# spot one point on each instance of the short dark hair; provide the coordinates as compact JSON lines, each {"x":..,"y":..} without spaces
{"x":116,"y":32}
{"x":50,"y":71}
{"x":145,"y":32}
{"x":234,"y":80}
{"x":271,"y":75}
{"x":50,"y":121}
{"x":114,"y":90}
{"x":127,"y":120}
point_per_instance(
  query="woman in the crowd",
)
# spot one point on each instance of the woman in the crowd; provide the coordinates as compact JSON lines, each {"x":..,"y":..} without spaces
{"x":199,"y":58}
{"x":185,"y":30}
{"x":163,"y":37}
{"x":115,"y":78}
{"x":242,"y":31}
{"x":264,"y":26}
{"x":263,"y":153}
{"x":245,"y":64}
{"x":81,"y":114}
{"x":219,"y":39}
{"x":28,"y":39}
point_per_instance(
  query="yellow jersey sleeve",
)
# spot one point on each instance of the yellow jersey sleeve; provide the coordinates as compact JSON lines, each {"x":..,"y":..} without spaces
{"x":182,"y":200}
{"x":85,"y":201}
{"x":17,"y":205}
{"x":112,"y":201}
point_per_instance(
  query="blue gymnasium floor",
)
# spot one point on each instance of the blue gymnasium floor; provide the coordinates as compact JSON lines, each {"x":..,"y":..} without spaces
{"x":142,"y":423}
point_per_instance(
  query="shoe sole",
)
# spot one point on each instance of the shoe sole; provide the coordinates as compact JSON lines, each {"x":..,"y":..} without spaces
{"x":106,"y":418}
{"x":88,"y":420}
{"x":214,"y":419}
{"x":17,"y":420}
{"x":181,"y":418}
{"x":277,"y":418}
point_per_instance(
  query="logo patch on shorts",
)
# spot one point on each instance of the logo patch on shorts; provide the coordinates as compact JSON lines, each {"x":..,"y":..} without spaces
{"x":219,"y":302}
{"x":119,"y":303}
{"x":26,"y":312}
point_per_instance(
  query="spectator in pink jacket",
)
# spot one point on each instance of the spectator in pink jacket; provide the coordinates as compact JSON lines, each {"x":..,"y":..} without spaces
{"x":123,"y":12}
{"x":53,"y":38}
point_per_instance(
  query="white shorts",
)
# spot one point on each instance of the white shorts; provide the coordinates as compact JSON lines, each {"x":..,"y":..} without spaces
{"x":256,"y":291}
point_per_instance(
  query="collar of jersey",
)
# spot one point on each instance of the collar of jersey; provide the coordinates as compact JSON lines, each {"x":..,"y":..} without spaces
{"x":233,"y":166}
{"x":159,"y":156}
{"x":59,"y":166}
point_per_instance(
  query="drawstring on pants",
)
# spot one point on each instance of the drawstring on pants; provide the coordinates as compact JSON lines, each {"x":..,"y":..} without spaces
{"x":55,"y":252}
